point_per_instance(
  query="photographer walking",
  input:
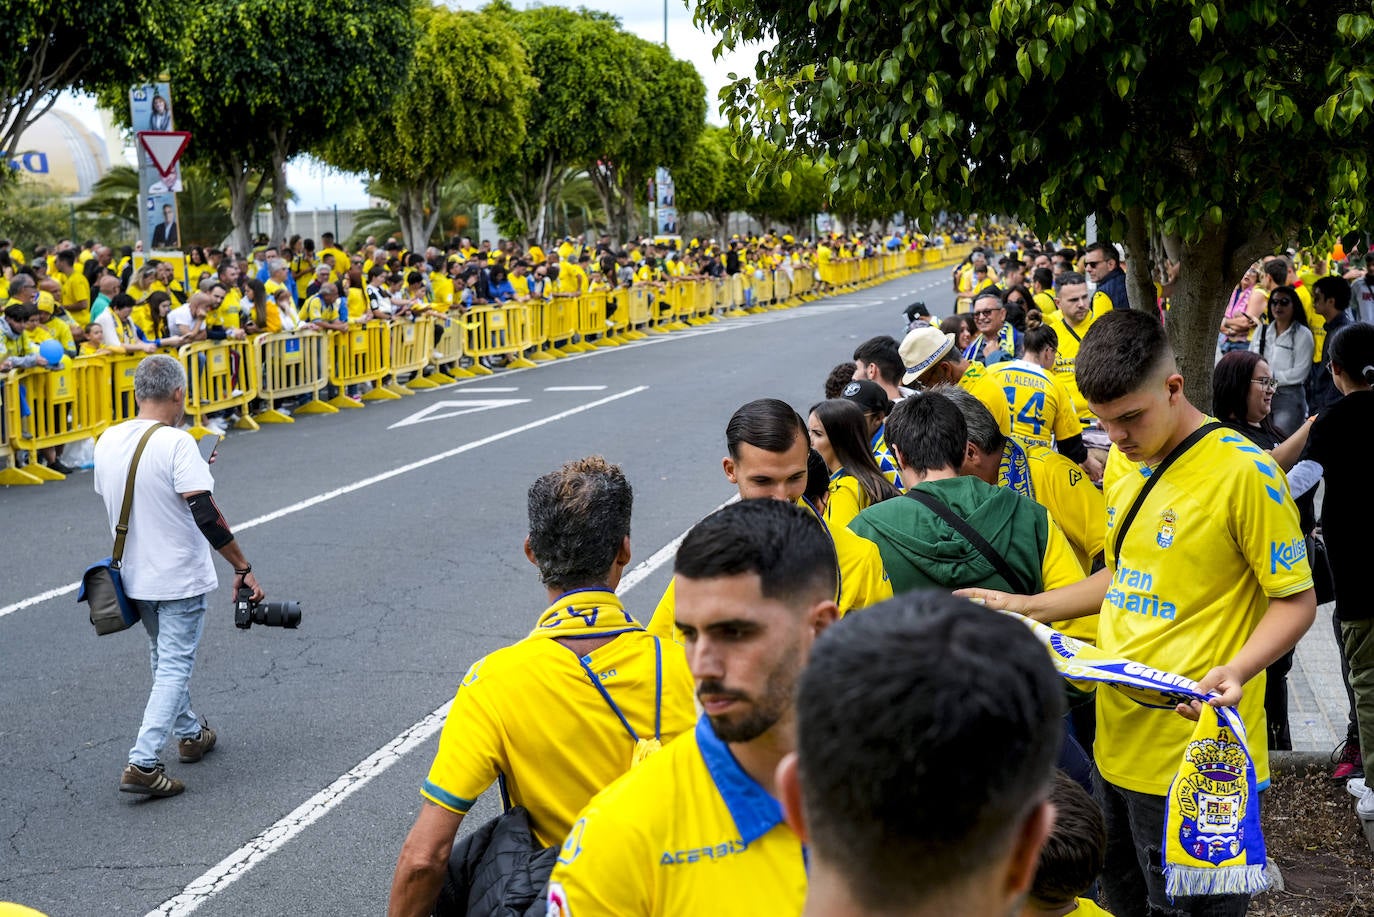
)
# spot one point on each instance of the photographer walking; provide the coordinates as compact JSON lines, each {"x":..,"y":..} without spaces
{"x":167,"y":569}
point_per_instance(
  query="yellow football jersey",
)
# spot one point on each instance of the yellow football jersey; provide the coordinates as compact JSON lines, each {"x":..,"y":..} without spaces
{"x":530,"y":715}
{"x":686,"y":832}
{"x":1215,"y":539}
{"x":1040,"y":408}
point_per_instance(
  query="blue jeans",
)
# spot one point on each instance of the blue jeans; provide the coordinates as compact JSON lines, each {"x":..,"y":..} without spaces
{"x":174,"y":629}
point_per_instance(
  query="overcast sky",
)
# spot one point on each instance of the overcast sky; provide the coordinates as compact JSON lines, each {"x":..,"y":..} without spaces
{"x":321,"y":188}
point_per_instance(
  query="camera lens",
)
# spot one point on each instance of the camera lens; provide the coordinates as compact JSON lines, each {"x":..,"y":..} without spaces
{"x":277,"y":614}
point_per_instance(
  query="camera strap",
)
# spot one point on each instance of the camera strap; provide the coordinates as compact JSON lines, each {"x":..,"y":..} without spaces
{"x":122,"y":528}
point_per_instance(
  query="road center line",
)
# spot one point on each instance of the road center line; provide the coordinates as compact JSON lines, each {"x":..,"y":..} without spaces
{"x":365,"y":482}
{"x":575,"y":388}
{"x":270,"y":840}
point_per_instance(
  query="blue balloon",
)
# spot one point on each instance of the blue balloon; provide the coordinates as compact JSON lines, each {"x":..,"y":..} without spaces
{"x":51,"y":351}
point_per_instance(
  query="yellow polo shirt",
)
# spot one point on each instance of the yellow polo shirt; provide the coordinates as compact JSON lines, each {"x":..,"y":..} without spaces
{"x":686,"y":832}
{"x":1217,"y":537}
{"x":529,"y":715}
{"x":1070,"y":339}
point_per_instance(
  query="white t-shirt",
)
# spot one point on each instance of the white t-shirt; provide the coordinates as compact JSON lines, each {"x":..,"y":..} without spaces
{"x":180,"y":321}
{"x":165,"y":555}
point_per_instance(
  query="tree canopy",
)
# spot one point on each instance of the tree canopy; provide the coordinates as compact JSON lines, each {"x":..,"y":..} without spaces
{"x":589,"y":93}
{"x":461,"y":106}
{"x":55,"y":45}
{"x":1226,"y":128}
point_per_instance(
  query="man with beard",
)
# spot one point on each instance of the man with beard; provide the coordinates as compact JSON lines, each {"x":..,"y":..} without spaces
{"x":698,"y":828}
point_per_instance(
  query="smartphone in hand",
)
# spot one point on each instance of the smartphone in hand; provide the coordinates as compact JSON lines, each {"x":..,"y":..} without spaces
{"x":209,"y":446}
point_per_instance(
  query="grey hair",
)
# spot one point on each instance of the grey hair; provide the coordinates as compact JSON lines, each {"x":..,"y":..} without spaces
{"x":158,"y":377}
{"x":277,"y":264}
{"x":982,"y":426}
{"x":579,"y":517}
{"x":22,"y":282}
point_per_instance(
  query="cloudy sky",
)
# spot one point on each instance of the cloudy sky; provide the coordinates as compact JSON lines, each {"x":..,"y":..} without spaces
{"x":320,"y":188}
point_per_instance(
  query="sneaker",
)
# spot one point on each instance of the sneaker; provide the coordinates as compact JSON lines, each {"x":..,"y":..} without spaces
{"x":60,"y":468}
{"x":193,"y":749}
{"x":1347,"y":759}
{"x":1357,"y":787}
{"x":152,"y":782}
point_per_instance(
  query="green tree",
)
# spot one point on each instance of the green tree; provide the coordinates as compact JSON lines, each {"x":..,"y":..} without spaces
{"x":1225,"y":128}
{"x":266,"y":80}
{"x":55,"y":45}
{"x":458,"y":198}
{"x":732,"y":194}
{"x":33,"y":213}
{"x":589,"y":93}
{"x":666,"y":125}
{"x":699,"y":177}
{"x":460,"y":108}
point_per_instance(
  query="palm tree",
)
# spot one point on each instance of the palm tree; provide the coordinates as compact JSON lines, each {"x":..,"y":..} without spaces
{"x":458,"y":199}
{"x":202,"y":204}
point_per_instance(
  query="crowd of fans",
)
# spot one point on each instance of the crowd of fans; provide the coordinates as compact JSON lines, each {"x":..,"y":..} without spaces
{"x":1001,"y":454}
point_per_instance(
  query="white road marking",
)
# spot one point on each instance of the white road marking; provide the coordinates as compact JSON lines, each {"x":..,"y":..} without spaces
{"x":365,"y":482}
{"x":495,"y":388}
{"x":442,"y":410}
{"x":237,"y":864}
{"x":574,"y":388}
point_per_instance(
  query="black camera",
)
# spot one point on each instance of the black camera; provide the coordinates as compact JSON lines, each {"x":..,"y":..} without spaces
{"x":269,"y":614}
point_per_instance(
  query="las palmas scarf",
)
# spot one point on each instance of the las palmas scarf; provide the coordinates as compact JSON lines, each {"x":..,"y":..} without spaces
{"x":1212,"y":839}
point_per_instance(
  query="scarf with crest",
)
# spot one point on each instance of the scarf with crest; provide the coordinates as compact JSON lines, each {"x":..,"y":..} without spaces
{"x":1212,"y":839}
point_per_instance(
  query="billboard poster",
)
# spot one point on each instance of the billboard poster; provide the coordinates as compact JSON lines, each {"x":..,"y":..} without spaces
{"x":665,"y":200}
{"x":150,"y":107}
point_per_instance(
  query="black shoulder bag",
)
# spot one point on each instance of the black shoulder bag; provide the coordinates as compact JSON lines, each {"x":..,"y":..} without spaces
{"x":102,"y":587}
{"x":956,"y":522}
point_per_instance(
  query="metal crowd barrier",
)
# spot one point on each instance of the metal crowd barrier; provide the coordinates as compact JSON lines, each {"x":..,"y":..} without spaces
{"x":292,"y":365}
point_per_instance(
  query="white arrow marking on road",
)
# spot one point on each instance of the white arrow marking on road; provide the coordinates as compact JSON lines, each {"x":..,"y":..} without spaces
{"x":442,"y":410}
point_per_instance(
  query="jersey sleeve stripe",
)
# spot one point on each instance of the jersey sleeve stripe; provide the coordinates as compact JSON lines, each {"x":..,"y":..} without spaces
{"x":444,"y":799}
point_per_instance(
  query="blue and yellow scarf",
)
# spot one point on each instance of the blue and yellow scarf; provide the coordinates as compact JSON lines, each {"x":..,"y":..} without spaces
{"x":1213,"y":844}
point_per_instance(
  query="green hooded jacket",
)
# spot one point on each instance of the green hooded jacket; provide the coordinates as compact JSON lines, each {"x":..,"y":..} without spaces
{"x":921,"y":551}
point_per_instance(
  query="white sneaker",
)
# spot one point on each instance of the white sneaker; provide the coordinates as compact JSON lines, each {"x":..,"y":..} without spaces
{"x":1365,"y":807}
{"x":1357,"y":787}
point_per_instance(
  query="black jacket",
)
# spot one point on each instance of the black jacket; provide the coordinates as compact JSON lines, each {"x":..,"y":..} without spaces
{"x":499,"y":870}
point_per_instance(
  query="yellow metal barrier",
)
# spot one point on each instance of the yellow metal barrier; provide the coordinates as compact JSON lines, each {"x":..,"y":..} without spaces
{"x":782,"y":291}
{"x":122,"y":369}
{"x":560,"y":320}
{"x":360,"y":355}
{"x":703,"y":302}
{"x":674,"y":306}
{"x":11,"y":474}
{"x":410,"y":342}
{"x":220,"y":376}
{"x":490,"y":331}
{"x":292,"y":365}
{"x":53,"y":407}
{"x":448,"y":360}
{"x":640,"y":317}
{"x":591,"y":320}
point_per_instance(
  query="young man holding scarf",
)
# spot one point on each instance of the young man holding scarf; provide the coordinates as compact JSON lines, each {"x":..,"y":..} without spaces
{"x":565,"y":711}
{"x":1207,"y":579}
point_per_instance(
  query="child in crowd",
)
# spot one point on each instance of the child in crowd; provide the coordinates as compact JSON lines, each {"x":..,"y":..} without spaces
{"x":94,"y":344}
{"x":1072,"y":858}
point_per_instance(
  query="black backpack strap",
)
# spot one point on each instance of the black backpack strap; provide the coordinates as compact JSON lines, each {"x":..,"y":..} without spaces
{"x":956,"y":522}
{"x":1155,"y":475}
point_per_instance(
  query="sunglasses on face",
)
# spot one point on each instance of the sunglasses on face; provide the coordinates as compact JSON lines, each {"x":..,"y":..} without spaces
{"x":982,"y":313}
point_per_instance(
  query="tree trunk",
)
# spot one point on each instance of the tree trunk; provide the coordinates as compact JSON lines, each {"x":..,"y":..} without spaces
{"x":1140,"y":284}
{"x":241,"y":207}
{"x":280,"y":195}
{"x":410,"y":212}
{"x":1211,"y":266}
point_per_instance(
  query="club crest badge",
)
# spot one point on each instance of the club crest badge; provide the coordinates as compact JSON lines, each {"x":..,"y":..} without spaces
{"x":1167,"y":521}
{"x":1212,"y":799}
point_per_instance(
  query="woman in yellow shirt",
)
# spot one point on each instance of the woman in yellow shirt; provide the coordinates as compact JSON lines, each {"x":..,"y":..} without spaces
{"x":839,"y":433}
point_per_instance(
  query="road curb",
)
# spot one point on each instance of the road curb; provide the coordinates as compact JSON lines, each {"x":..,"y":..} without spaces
{"x":1298,"y":762}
